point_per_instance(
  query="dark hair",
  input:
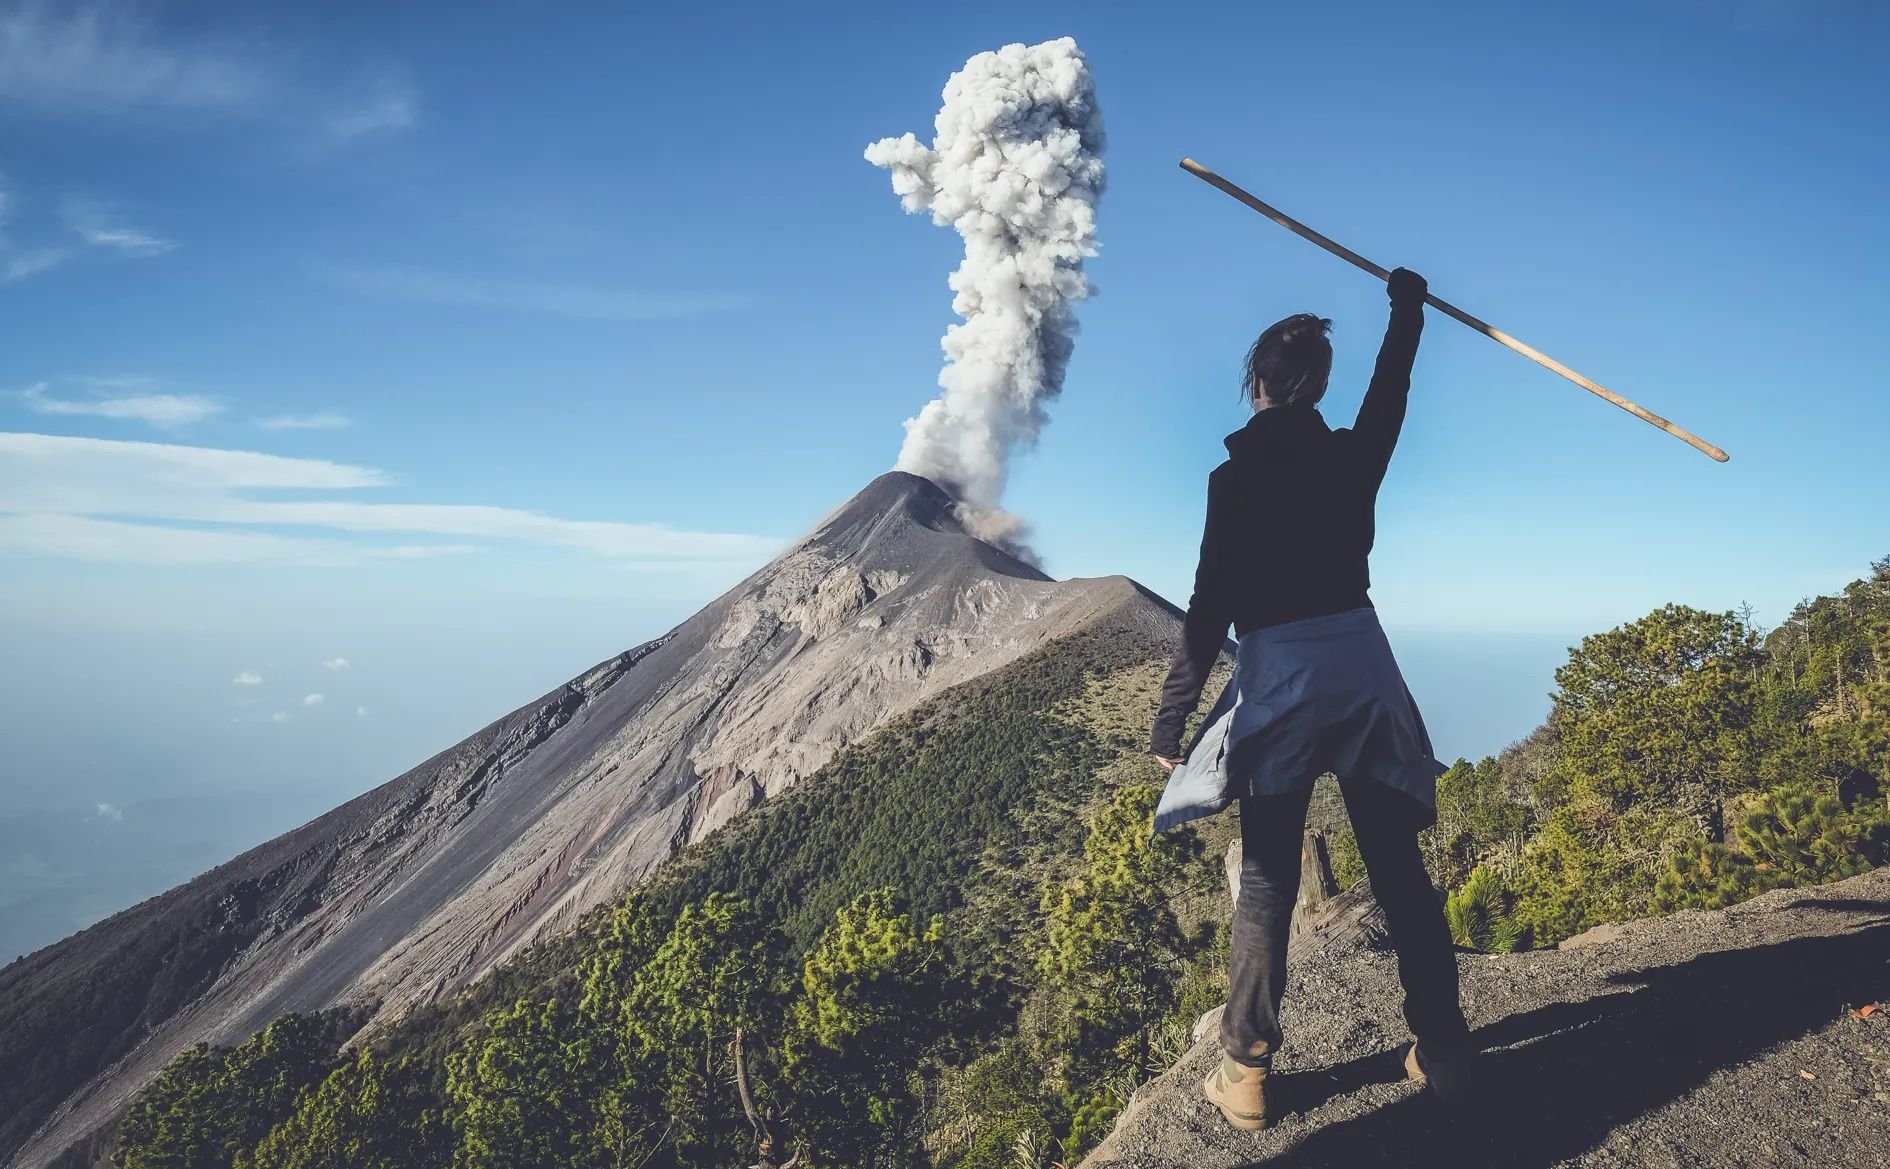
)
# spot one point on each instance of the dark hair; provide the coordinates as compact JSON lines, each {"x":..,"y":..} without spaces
{"x":1290,"y":362}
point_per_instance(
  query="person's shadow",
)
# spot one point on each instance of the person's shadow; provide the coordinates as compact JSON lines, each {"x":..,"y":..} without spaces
{"x":1556,"y":1080}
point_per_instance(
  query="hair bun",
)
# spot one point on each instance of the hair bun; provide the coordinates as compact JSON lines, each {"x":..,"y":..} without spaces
{"x":1300,"y":328}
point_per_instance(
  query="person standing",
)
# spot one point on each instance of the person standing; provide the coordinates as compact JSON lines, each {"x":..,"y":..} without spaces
{"x":1290,"y":526}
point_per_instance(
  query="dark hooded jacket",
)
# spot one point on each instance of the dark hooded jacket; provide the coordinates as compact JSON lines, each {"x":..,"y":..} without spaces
{"x":1289,"y":522}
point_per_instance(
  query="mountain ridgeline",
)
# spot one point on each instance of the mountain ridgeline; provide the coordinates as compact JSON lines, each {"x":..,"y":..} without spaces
{"x":417,"y":889}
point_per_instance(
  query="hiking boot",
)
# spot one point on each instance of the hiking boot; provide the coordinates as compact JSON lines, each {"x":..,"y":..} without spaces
{"x":1448,"y":1073}
{"x":1239,"y":1092}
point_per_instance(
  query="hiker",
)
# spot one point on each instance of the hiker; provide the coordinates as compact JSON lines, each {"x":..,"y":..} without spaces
{"x":1315,"y":690}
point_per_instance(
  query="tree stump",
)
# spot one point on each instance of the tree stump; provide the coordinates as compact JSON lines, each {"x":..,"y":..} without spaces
{"x":1351,"y":918}
{"x":1323,"y":916}
{"x":1316,"y":885}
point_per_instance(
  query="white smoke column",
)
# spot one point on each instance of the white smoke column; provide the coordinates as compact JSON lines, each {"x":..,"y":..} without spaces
{"x":1016,"y":168}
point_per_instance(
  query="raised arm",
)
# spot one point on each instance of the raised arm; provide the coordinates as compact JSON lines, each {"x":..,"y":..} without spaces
{"x":1381,"y":416}
{"x":1204,"y":631}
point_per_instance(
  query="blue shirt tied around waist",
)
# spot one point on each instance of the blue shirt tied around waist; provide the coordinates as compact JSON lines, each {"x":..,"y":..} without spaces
{"x":1307,"y":697}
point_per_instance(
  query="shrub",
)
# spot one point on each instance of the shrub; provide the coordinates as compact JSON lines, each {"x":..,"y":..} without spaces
{"x":1807,"y":837}
{"x":1704,"y":875}
{"x":1480,"y":915}
{"x":1478,"y":817}
{"x":1589,"y":865}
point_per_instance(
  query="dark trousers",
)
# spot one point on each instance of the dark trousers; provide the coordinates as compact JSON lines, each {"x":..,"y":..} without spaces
{"x":1386,"y":823}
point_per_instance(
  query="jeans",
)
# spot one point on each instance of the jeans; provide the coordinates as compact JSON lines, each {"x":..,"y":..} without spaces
{"x":1386,"y":823}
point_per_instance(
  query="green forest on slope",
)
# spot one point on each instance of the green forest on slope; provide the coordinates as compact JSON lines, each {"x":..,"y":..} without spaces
{"x":957,"y":945}
{"x":1690,"y":760}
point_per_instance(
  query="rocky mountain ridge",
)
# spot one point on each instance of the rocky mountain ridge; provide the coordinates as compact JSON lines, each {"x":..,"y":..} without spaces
{"x":417,"y":888}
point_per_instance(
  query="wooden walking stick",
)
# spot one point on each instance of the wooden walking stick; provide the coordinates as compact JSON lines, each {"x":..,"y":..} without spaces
{"x":1347,"y":254}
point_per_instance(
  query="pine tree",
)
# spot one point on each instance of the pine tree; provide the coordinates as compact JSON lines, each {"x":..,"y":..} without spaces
{"x":1661,"y":709}
{"x":510,"y":1091}
{"x":705,"y":990}
{"x":623,"y":1125}
{"x":1803,"y":836}
{"x":1114,"y":948}
{"x":1704,"y":875}
{"x":209,"y":1106}
{"x":1479,"y":815}
{"x":367,"y":1114}
{"x":869,"y":1000}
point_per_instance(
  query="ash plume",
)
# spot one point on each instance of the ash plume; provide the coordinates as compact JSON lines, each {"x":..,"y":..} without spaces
{"x":1015,"y":166}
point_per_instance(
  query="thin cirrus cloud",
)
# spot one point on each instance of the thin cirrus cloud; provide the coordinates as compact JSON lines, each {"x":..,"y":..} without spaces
{"x":384,"y":107}
{"x":323,"y":420}
{"x":111,"y":58}
{"x":582,"y":301}
{"x":247,"y":678}
{"x":75,"y":537}
{"x":97,"y":229}
{"x":336,"y":664}
{"x":102,"y":57}
{"x":97,"y":226}
{"x":89,"y":229}
{"x":24,"y":265}
{"x":161,"y":503}
{"x":161,"y":410}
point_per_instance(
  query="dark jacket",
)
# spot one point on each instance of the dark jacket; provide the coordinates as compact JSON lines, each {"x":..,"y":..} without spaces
{"x":1289,"y":522}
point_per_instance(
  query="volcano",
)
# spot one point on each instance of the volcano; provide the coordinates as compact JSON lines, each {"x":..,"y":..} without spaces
{"x":416,"y":889}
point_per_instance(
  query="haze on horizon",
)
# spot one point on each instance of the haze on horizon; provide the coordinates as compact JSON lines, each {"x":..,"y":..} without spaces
{"x":372,"y":372}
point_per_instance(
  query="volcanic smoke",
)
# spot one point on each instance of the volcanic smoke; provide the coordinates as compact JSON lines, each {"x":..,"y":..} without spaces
{"x":1016,"y":167}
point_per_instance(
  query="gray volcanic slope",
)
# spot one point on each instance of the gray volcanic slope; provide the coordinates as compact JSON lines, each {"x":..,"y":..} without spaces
{"x":417,"y":888}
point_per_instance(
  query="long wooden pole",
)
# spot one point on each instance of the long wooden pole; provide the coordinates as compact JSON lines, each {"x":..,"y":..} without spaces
{"x":1347,"y":254}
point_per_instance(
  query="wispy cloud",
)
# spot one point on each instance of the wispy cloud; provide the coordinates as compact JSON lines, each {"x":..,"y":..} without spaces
{"x":111,"y":57}
{"x":336,"y":664}
{"x":122,"y":381}
{"x":386,"y":106}
{"x":20,"y":265}
{"x":74,"y":537}
{"x":103,"y":499}
{"x":584,"y":301}
{"x":247,"y":678}
{"x":107,"y":811}
{"x":89,"y":472}
{"x":360,"y":712}
{"x":162,"y":410}
{"x":107,"y":56}
{"x":100,"y":227}
{"x":281,"y":716}
{"x":314,"y":699}
{"x":325,"y":420}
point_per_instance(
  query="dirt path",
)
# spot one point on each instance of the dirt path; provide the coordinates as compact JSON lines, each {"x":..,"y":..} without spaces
{"x":1701,"y":1039}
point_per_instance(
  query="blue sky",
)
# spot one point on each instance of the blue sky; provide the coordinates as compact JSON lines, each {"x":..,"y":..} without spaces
{"x":608,"y":298}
